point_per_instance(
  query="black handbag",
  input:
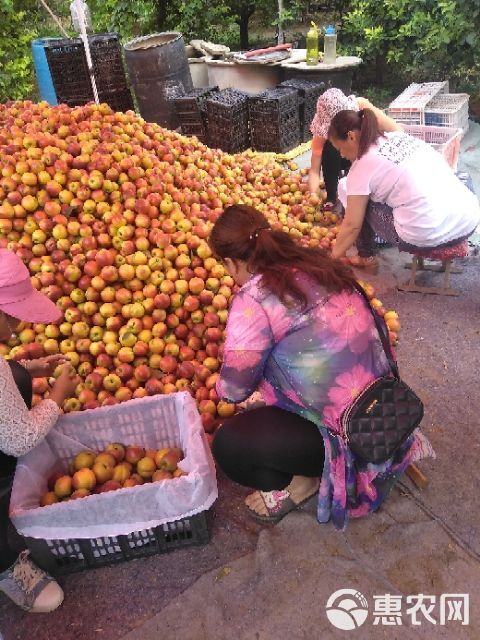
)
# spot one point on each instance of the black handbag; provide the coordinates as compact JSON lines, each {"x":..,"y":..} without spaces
{"x":386,"y":413}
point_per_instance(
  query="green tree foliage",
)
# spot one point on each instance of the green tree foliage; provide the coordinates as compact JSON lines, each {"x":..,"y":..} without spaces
{"x":418,"y":39}
{"x":16,"y":33}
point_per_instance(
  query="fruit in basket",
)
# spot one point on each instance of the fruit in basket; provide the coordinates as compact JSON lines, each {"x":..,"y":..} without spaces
{"x":83,"y":459}
{"x":161,"y":474}
{"x":169,"y":460}
{"x":52,"y":480}
{"x":134,"y":453}
{"x":49,"y":498}
{"x":105,"y":458}
{"x":63,"y":486}
{"x":103,"y":471}
{"x":122,"y":471}
{"x":110,"y":485}
{"x":146,"y":467}
{"x":131,"y":482}
{"x":84,"y":479}
{"x":117,"y":450}
{"x":80,"y":493}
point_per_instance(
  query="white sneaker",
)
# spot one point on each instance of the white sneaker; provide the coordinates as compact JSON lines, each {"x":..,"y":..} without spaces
{"x":29,"y":587}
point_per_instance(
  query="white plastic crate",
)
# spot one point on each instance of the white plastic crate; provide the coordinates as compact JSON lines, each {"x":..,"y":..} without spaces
{"x":409,"y":106}
{"x":448,"y":110}
{"x":445,"y":140}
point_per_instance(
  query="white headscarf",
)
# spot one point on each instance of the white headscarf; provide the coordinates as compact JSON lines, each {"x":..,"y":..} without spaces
{"x":328,"y":105}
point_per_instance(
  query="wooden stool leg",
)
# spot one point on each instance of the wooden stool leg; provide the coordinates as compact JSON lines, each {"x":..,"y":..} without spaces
{"x":447,"y":265}
{"x":416,"y":476}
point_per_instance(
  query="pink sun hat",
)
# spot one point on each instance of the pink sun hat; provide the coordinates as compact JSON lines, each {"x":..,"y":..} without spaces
{"x":18,"y":297}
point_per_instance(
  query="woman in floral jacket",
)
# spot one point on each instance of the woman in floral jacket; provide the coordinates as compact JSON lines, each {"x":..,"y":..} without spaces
{"x":300,"y":335}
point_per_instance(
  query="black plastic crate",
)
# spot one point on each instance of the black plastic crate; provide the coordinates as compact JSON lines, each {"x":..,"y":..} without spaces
{"x":274,"y":120}
{"x":191,"y":109}
{"x":309,"y":91}
{"x":67,"y":62}
{"x":107,"y":61}
{"x":66,"y":556}
{"x":227,"y":113}
{"x":68,"y":67}
{"x":117,"y":100}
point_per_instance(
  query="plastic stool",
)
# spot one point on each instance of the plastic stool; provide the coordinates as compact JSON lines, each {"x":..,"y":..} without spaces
{"x":445,"y":255}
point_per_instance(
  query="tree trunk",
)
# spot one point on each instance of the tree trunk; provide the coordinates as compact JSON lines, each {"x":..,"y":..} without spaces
{"x":280,"y":32}
{"x":162,"y":9}
{"x":244,"y":13}
{"x":243,"y":23}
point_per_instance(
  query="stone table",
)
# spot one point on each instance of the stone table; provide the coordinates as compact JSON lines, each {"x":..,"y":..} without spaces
{"x":338,"y":74}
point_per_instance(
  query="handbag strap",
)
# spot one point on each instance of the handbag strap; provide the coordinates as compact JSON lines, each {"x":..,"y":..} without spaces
{"x":382,"y":332}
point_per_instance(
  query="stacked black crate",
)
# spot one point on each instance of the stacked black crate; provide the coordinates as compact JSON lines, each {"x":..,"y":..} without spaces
{"x":227,"y":113}
{"x":308,"y":93}
{"x":71,"y":79}
{"x":191,"y":109}
{"x":274,"y":120}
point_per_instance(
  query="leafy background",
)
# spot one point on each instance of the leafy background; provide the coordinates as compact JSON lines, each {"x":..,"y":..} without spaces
{"x":400,"y":40}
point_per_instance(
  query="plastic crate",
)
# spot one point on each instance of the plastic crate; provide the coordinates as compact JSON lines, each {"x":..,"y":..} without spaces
{"x":448,"y":110}
{"x":118,"y":100}
{"x":228,"y":127}
{"x":107,"y":61}
{"x":409,"y":106}
{"x":159,"y":518}
{"x":308,"y":92}
{"x":69,"y":70}
{"x":191,"y":109}
{"x":445,"y":140}
{"x":274,"y":120}
{"x":68,"y":67}
{"x":66,"y":556}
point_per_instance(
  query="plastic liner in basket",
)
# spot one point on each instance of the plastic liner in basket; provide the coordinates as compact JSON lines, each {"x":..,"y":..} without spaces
{"x":153,"y":422}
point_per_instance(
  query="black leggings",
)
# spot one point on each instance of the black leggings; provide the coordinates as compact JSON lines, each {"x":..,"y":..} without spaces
{"x":264,"y":448}
{"x":7,"y":470}
{"x":332,"y":166}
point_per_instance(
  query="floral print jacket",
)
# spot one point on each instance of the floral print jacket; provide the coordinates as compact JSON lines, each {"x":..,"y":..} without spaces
{"x":314,"y":362}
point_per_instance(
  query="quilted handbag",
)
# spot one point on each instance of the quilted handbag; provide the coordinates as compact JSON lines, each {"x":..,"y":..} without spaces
{"x":386,"y":413}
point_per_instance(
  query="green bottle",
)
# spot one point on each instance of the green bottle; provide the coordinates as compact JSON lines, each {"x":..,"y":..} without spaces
{"x":312,"y":45}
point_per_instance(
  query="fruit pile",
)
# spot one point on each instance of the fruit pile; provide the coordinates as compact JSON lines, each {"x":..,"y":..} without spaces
{"x":117,"y":467}
{"x":111,"y":215}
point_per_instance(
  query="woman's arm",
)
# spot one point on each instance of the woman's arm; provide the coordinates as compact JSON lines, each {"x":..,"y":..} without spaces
{"x":351,"y":225}
{"x":315,"y":164}
{"x":21,"y":429}
{"x":248,"y":345}
{"x":385,"y":123}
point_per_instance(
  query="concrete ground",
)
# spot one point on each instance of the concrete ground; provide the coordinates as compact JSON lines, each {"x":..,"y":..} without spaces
{"x":259,"y":583}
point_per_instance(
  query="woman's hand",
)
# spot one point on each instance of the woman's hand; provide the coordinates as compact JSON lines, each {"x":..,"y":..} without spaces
{"x":65,"y":384}
{"x":44,"y":367}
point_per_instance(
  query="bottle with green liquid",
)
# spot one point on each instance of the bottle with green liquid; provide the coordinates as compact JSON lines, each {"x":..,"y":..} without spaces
{"x":312,"y":45}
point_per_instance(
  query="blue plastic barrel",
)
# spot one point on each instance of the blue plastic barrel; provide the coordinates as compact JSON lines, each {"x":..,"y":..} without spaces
{"x":42,"y":71}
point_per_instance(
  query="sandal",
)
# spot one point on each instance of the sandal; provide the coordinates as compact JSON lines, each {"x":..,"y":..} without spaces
{"x":278,"y":504}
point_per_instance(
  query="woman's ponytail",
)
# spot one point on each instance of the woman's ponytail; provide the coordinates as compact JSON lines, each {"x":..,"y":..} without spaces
{"x":364,"y":121}
{"x":369,"y":130}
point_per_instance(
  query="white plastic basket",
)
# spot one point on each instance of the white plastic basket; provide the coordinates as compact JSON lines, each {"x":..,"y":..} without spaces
{"x":448,"y":110}
{"x":409,"y":106}
{"x":445,"y":140}
{"x":151,"y":422}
